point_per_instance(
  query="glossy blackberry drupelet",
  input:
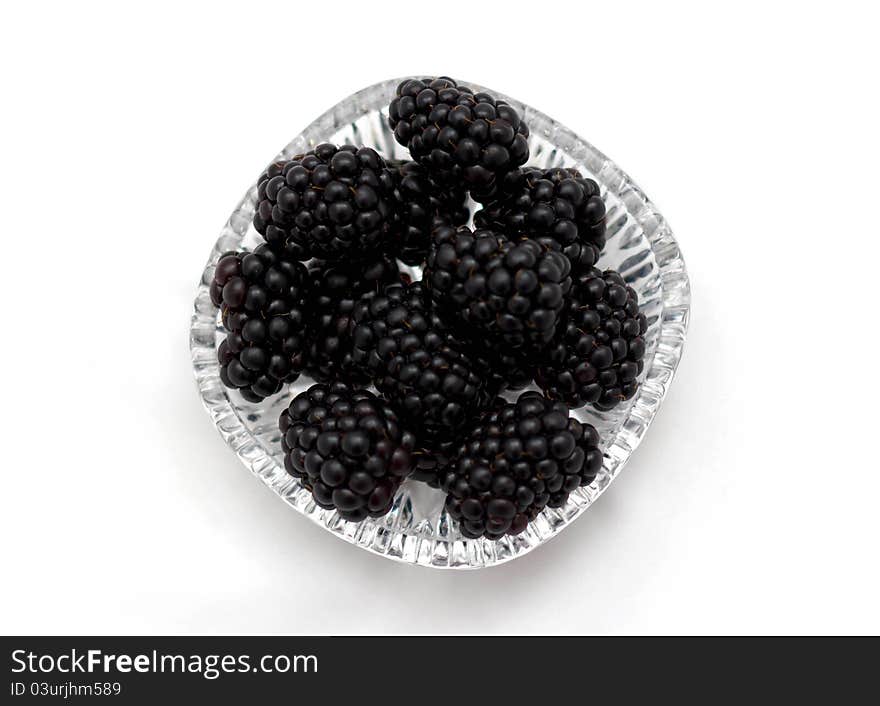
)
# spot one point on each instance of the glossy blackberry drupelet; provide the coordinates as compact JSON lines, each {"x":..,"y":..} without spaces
{"x":550,"y":203}
{"x":599,"y":348}
{"x":436,"y":387}
{"x":455,"y":132}
{"x":334,"y":290}
{"x":422,"y":203}
{"x":330,"y":203}
{"x":519,"y":459}
{"x":261,"y":299}
{"x":508,"y":292}
{"x":347,"y":448}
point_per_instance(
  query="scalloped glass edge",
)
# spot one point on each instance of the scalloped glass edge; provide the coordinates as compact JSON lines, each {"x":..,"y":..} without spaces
{"x":389,"y":542}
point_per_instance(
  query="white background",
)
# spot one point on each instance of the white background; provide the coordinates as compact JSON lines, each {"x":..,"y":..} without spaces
{"x":128,"y":135}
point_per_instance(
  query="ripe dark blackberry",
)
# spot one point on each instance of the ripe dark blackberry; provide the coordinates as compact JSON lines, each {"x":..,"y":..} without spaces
{"x":550,"y":203}
{"x":423,"y":203}
{"x":261,"y":299}
{"x":455,"y":132}
{"x":333,"y":293}
{"x":503,"y":369}
{"x":520,"y":458}
{"x":330,"y":203}
{"x":500,"y":370}
{"x":347,"y":448}
{"x":598,"y":350}
{"x":509,"y":292}
{"x":436,"y":387}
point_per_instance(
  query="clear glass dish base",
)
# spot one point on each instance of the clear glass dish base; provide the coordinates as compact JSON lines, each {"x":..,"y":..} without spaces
{"x":417,"y":530}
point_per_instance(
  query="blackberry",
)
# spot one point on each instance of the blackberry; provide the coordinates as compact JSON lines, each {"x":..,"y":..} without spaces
{"x":347,"y":448}
{"x":598,"y":351}
{"x":520,"y":458}
{"x":436,"y":387}
{"x":510,"y":292}
{"x":330,"y":203}
{"x":550,"y":203}
{"x":500,"y":370}
{"x":334,"y":291}
{"x":455,"y":132}
{"x":503,"y":369}
{"x":422,"y":203}
{"x":261,"y":300}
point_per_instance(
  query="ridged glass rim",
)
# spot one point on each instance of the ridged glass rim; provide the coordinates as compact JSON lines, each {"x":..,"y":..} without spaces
{"x":393,"y":544}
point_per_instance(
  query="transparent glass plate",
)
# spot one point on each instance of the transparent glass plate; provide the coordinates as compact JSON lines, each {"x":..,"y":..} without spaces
{"x":417,"y":530}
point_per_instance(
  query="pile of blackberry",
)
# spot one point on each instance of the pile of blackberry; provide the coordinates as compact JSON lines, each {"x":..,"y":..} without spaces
{"x":416,"y":328}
